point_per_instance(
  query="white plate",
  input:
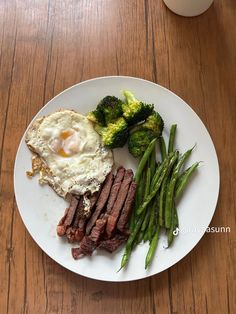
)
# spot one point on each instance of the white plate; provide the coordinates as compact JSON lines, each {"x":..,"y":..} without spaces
{"x":41,"y":208}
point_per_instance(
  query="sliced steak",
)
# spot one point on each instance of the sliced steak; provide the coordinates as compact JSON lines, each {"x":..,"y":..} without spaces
{"x":76,"y":231}
{"x":125,"y":213}
{"x":112,"y":244}
{"x":101,"y":202}
{"x":115,"y":212}
{"x":78,"y":213}
{"x":115,"y":188}
{"x":61,"y":229}
{"x":93,"y":199}
{"x":87,"y":247}
{"x":80,"y":231}
{"x":98,"y":230}
{"x":71,"y":211}
{"x":67,"y":219}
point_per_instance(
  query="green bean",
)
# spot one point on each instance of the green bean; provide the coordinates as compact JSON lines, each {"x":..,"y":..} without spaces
{"x":137,"y":227}
{"x":171,"y":188}
{"x":153,"y":192}
{"x":159,"y":170}
{"x":147,"y":183}
{"x":125,"y":257}
{"x":140,"y":236}
{"x":145,"y":237}
{"x":131,"y":240}
{"x":172,"y":138}
{"x":184,"y":157}
{"x":144,"y":160}
{"x":146,"y":220}
{"x":152,"y":162}
{"x":138,"y":199}
{"x":147,"y":190}
{"x":162,"y":148}
{"x":151,"y":224}
{"x":162,"y":202}
{"x":176,"y":219}
{"x":152,"y":248}
{"x":184,"y":179}
{"x":174,"y":225}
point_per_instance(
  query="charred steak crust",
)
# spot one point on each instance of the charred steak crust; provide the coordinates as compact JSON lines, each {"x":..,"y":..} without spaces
{"x":125,"y":213}
{"x":75,"y":232}
{"x":87,"y":247}
{"x":98,"y":230}
{"x":71,"y":212}
{"x":112,"y":244}
{"x":67,"y":219}
{"x":115,"y":188}
{"x":115,"y":212}
{"x":101,"y":202}
{"x":61,"y":229}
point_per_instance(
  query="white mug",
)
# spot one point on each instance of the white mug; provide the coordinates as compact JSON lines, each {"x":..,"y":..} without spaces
{"x":188,"y":7}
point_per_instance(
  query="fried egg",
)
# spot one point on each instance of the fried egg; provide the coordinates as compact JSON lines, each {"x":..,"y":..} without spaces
{"x":74,"y":158}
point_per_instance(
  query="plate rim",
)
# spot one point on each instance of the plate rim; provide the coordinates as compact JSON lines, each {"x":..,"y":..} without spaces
{"x":201,"y":234}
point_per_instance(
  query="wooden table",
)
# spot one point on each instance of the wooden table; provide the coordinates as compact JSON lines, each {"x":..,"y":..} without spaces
{"x":47,"y":46}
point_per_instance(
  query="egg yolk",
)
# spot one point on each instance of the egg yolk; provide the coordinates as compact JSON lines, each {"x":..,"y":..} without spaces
{"x":62,"y":153}
{"x":65,"y":134}
{"x":69,"y":144}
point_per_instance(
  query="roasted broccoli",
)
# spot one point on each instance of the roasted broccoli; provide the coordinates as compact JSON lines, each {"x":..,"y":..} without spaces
{"x":114,"y":134}
{"x":97,"y":116}
{"x":138,"y":141}
{"x":154,"y":123}
{"x":135,"y":111}
{"x":111,"y":107}
{"x":144,"y":133}
{"x":107,"y":111}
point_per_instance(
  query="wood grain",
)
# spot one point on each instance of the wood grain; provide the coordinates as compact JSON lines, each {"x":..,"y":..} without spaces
{"x":45,"y":47}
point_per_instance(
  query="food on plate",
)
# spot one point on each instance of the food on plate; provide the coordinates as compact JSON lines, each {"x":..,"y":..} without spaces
{"x":117,"y":120}
{"x":73,"y":157}
{"x":159,"y":185}
{"x":108,"y":110}
{"x":135,"y":111}
{"x":106,"y":225}
{"x":114,"y":134}
{"x":144,"y":133}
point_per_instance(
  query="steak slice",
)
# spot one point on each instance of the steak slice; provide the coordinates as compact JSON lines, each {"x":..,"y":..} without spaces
{"x":71,"y":230}
{"x":112,"y":244}
{"x":80,"y":231}
{"x":87,"y":247}
{"x":115,"y":188}
{"x":61,"y":229}
{"x":67,"y":219}
{"x":76,"y":231}
{"x":115,"y":212}
{"x":125,"y":213}
{"x":101,"y":202}
{"x":98,"y":230}
{"x":71,"y":212}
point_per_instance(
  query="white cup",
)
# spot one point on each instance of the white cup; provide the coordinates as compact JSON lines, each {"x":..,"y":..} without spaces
{"x":188,"y":7}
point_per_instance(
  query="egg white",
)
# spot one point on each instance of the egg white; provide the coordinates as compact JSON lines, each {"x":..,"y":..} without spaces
{"x":88,"y":163}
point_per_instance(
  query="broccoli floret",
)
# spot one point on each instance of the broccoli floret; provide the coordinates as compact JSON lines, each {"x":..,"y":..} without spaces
{"x":138,"y":141}
{"x":144,"y":133}
{"x":154,"y":123}
{"x":111,"y":107}
{"x":107,"y":111}
{"x":96,"y":116}
{"x":135,"y":111}
{"x":115,"y":134}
